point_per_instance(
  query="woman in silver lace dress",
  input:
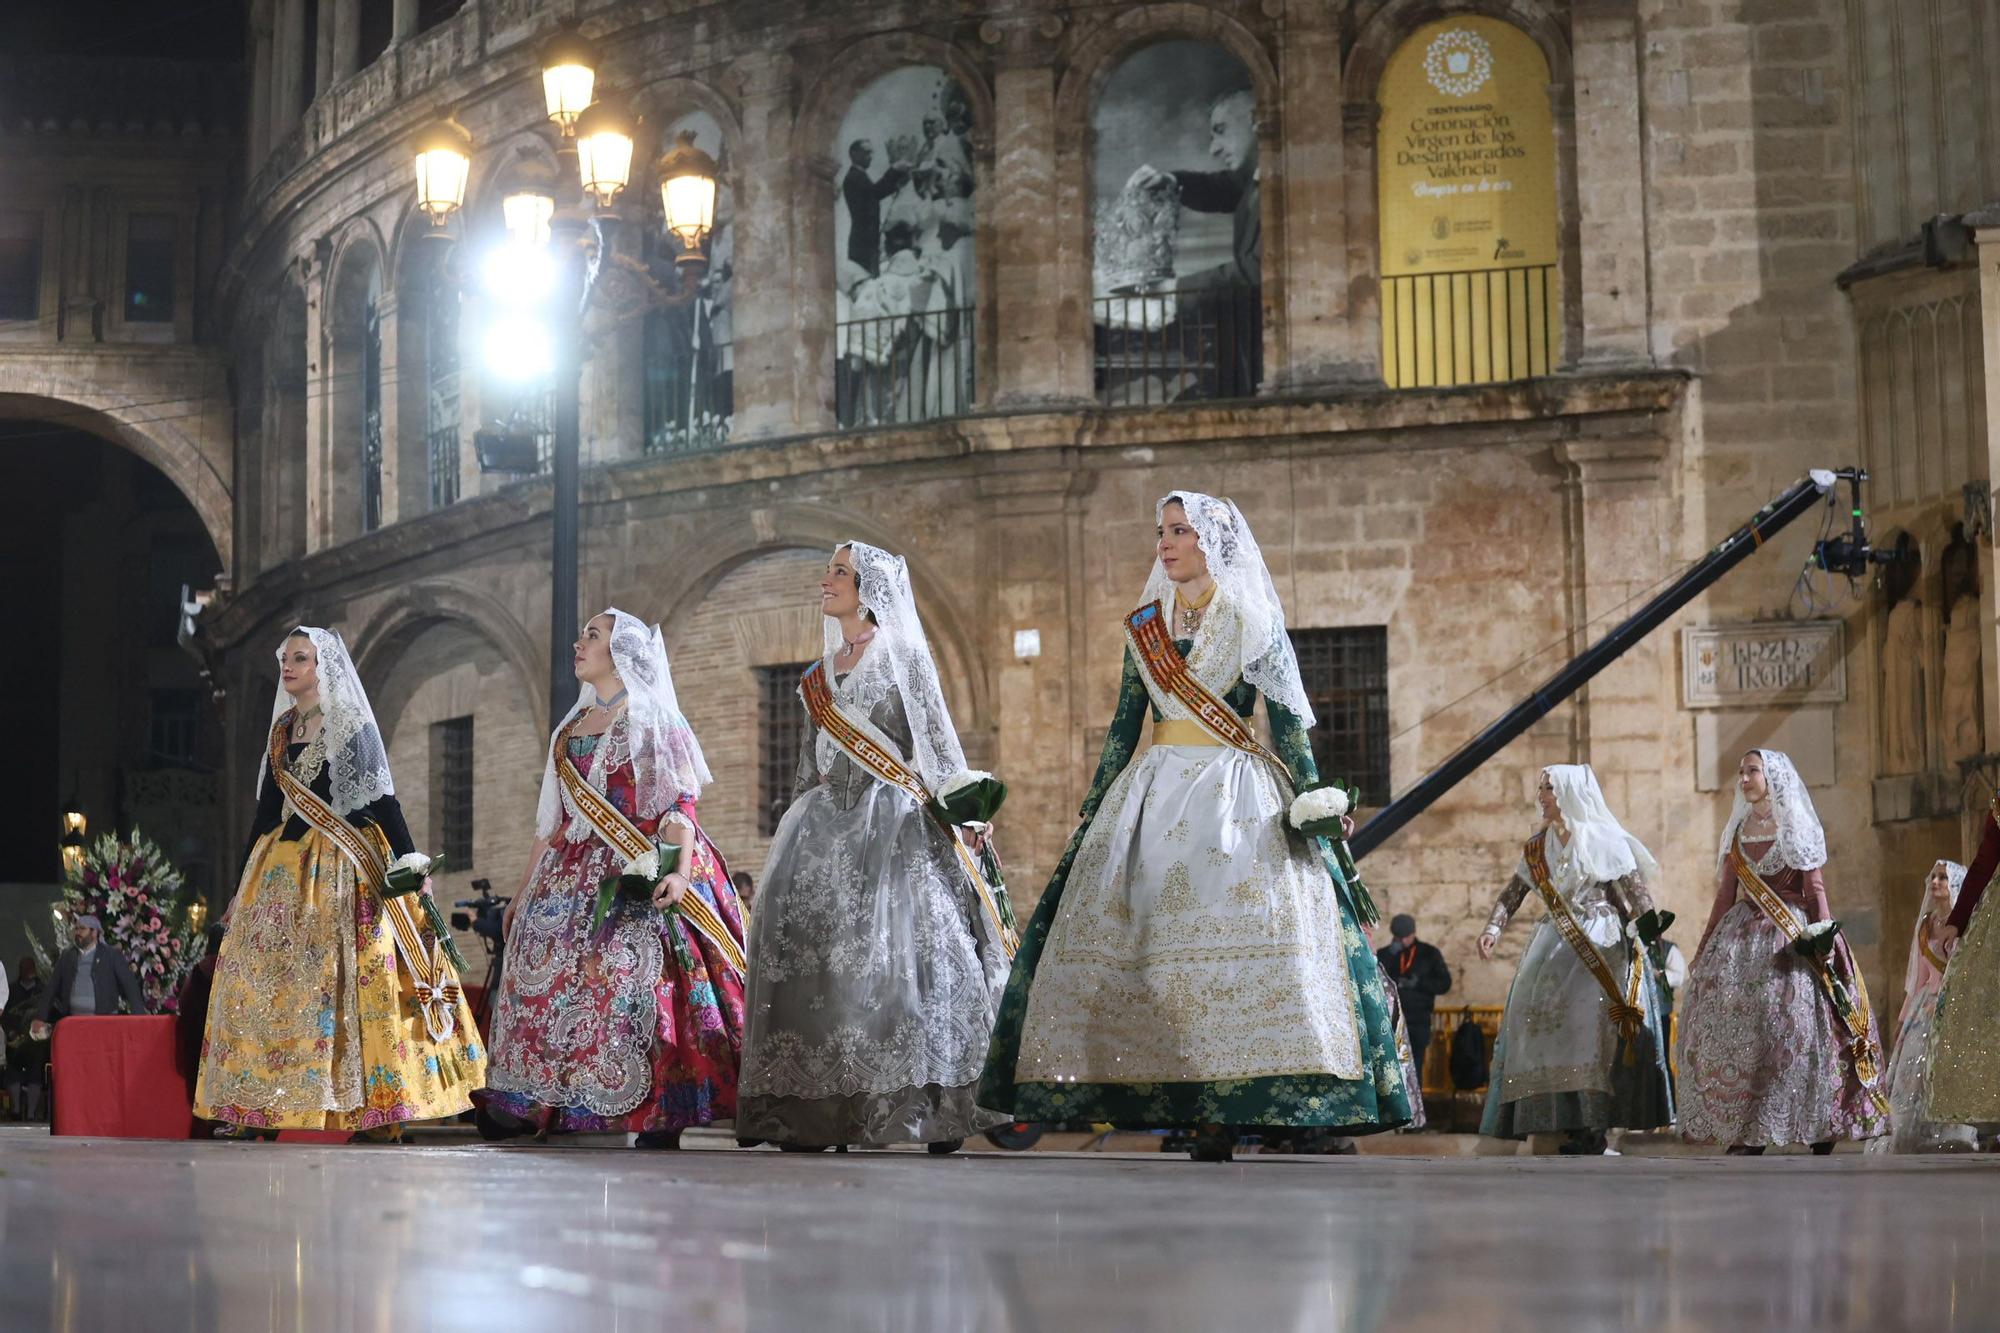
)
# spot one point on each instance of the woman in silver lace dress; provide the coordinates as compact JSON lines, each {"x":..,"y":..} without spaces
{"x":874,"y":973}
{"x":1765,"y":1057}
{"x":1910,"y":1128}
{"x":1560,"y":1065}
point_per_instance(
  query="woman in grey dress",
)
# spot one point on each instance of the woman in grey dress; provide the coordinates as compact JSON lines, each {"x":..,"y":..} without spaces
{"x":874,"y":970}
{"x":1571,"y":1059}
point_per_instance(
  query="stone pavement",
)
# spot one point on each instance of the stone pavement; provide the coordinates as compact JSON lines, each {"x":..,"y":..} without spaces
{"x":224,"y":1236}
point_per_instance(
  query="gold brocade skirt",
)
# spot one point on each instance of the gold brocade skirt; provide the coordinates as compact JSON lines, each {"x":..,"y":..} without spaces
{"x":1965,"y":1035}
{"x":312,"y":1022}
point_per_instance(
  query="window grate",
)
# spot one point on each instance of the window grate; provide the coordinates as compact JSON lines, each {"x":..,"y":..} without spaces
{"x":451,"y":791}
{"x":1346,"y":675}
{"x":441,"y":369}
{"x":781,"y":735}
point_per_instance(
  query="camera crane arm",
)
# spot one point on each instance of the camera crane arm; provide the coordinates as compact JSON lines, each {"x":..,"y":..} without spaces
{"x":1848,"y":554}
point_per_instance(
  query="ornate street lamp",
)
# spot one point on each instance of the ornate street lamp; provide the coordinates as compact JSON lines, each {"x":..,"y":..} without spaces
{"x":74,"y":826}
{"x":604,"y":134}
{"x":443,"y":156}
{"x":569,"y":74}
{"x":527,"y":214}
{"x":687,"y":195}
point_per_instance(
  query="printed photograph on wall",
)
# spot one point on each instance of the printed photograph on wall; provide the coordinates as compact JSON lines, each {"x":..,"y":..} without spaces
{"x":1177,"y":250}
{"x":903,"y":246}
{"x":690,"y":396}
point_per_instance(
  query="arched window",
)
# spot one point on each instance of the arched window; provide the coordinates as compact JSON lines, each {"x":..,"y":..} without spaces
{"x":690,"y":362}
{"x":1466,"y":180}
{"x":903,"y":258}
{"x":353,"y":392}
{"x":1177,"y":250}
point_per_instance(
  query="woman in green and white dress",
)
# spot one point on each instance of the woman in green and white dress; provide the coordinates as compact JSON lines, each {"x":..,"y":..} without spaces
{"x":1195,"y":961}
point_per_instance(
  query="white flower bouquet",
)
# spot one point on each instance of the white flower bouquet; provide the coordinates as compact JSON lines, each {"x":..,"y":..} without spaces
{"x":636,"y":882}
{"x":406,"y":875}
{"x":1317,"y":812}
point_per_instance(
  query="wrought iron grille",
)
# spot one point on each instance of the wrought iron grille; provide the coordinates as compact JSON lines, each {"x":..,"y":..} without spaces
{"x":1483,"y":327}
{"x":689,"y":380}
{"x":1179,"y":344}
{"x":441,"y":370}
{"x":1346,"y":675}
{"x":451,"y":790}
{"x":371,"y":420}
{"x":894,"y":370}
{"x":781,"y":737}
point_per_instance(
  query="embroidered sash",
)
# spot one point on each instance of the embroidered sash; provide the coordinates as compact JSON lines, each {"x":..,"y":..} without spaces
{"x":1625,"y":1010}
{"x":435,"y":984}
{"x":1861,"y":1049}
{"x":868,"y":747}
{"x":1153,"y":645}
{"x":608,"y":822}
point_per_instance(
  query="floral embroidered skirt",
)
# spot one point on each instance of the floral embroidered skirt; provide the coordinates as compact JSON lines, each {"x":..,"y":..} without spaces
{"x":312,"y":1023}
{"x":1964,"y":1044}
{"x":1193,"y":962}
{"x":1763,"y":1056}
{"x":635,"y":1026}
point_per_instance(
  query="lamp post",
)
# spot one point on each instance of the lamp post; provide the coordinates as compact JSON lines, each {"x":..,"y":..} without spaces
{"x":596,"y":131}
{"x":74,"y":826}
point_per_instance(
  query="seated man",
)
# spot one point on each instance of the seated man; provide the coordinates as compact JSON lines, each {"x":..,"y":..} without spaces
{"x":91,"y":978}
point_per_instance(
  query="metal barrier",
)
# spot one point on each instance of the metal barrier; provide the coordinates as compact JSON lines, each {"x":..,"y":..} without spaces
{"x":1480,"y":327}
{"x":894,"y":370}
{"x":1178,"y":344}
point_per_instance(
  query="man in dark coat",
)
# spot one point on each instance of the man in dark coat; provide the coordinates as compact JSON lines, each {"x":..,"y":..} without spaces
{"x":1421,"y":976}
{"x":864,"y":203}
{"x":91,"y":978}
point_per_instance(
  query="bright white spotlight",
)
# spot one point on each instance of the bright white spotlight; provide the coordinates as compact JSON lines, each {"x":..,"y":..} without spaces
{"x":520,"y":350}
{"x":518,"y":275}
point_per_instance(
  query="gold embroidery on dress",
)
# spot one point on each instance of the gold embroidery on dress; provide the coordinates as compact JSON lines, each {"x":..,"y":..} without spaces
{"x":1178,"y":895}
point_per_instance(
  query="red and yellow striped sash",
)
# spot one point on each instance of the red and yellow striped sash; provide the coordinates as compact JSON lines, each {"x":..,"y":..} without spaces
{"x":1162,"y":662}
{"x":1625,"y":1010}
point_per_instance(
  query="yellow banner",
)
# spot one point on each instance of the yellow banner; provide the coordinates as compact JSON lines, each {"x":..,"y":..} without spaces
{"x":1466,"y":175}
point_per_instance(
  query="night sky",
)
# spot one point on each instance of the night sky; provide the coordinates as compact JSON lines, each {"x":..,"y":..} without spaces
{"x":180,"y":29}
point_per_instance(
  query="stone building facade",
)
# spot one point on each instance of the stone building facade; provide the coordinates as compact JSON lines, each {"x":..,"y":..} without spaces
{"x":1740,"y":286}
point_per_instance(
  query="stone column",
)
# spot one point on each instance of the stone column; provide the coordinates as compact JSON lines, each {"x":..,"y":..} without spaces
{"x":1986,"y":467}
{"x":404,"y":21}
{"x":319,"y":446}
{"x":288,"y":58}
{"x":346,"y":38}
{"x":257,"y":135}
{"x":1617,"y":492}
{"x":1611,"y":190}
{"x":1028,"y":293}
{"x":399,"y":475}
{"x":323,"y":43}
{"x":1307,"y":283}
{"x":1362,"y":344}
{"x":781,"y":385}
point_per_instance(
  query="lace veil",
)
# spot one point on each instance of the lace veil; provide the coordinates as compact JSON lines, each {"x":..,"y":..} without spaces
{"x":884,"y":581}
{"x":666,"y":757}
{"x":1915,"y":970}
{"x":357,"y":763}
{"x":1599,"y":844}
{"x":1237,"y":565}
{"x":1801,"y":839}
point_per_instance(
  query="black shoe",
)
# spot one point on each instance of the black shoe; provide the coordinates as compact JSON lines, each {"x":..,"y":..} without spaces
{"x":945,"y":1148}
{"x":665,"y":1140}
{"x":1823,"y":1149}
{"x":803,"y":1147}
{"x":749,"y":1143}
{"x":498,"y":1126}
{"x":1213,"y":1143}
{"x":1745,"y":1150}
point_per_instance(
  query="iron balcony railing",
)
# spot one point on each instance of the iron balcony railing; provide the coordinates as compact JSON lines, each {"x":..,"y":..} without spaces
{"x":1179,"y":344}
{"x":1482,"y":327}
{"x":893,"y":370}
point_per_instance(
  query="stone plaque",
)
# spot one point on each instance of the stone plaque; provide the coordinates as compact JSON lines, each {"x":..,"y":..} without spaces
{"x":1750,"y":666}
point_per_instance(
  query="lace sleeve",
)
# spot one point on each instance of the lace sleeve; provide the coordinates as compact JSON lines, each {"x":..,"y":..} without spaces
{"x":1290,"y":739}
{"x":1122,"y":739}
{"x":1511,"y":898}
{"x":806,"y":776}
{"x":1631,"y":896}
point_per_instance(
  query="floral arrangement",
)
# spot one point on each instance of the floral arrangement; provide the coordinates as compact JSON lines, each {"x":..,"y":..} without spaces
{"x":635,"y":884}
{"x":1317,"y":812}
{"x":407,"y":874}
{"x":129,"y":885}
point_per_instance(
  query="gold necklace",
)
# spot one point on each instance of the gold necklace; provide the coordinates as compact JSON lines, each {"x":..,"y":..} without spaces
{"x":1190,"y":612}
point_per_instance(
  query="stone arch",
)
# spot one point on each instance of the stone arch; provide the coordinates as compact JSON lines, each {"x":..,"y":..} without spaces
{"x":825,"y":103}
{"x":661,"y":101}
{"x":283,"y":426}
{"x":730,"y":543}
{"x":1091,"y":61}
{"x":140,"y":418}
{"x":1378,"y":36}
{"x":516,"y":159}
{"x":416,"y":607}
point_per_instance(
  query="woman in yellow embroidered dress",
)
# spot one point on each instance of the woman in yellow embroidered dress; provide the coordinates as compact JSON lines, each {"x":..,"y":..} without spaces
{"x":315,"y":1020}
